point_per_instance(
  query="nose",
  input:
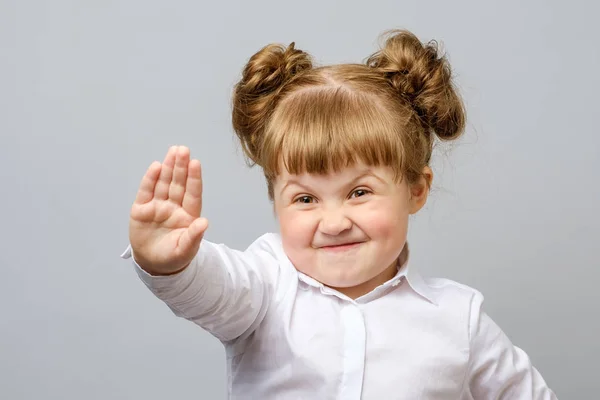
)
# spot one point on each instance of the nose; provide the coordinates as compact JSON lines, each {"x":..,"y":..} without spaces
{"x":333,"y":222}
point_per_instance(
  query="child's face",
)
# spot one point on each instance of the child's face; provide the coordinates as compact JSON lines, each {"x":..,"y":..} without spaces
{"x":346,"y":229}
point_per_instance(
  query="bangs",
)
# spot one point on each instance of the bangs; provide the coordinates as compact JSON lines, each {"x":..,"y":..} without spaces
{"x":325,"y":129}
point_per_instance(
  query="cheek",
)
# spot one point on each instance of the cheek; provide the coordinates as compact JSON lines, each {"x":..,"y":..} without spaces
{"x":387,"y":230}
{"x":297,"y":228}
{"x":385,"y":220}
{"x":297,"y":232}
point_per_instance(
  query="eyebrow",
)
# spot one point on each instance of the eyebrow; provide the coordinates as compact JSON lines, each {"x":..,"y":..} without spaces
{"x":291,"y":182}
{"x":365,"y":174}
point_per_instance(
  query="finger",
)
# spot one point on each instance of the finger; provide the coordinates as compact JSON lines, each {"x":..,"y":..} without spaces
{"x":190,"y":239}
{"x":166,"y":173}
{"x":192,"y":199}
{"x":177,"y":187}
{"x":146,"y":190}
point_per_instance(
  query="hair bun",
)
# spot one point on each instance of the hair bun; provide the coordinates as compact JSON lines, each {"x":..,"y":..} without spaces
{"x":255,"y":95}
{"x":424,"y":78}
{"x":271,"y":67}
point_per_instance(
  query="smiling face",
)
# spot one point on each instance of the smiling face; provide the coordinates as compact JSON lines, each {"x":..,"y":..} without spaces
{"x":346,"y":229}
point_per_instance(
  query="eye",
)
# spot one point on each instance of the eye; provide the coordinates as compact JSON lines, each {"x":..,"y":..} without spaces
{"x":304,"y":200}
{"x":359,"y":193}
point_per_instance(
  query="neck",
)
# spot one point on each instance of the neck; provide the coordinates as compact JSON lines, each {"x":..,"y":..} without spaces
{"x":355,"y":292}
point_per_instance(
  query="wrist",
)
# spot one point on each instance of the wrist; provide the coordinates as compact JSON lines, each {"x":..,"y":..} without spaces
{"x":153,"y":269}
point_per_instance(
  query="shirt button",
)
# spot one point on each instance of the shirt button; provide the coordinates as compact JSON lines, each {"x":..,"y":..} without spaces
{"x":399,"y":281}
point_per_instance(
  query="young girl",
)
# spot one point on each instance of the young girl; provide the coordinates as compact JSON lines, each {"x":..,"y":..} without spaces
{"x":330,"y":308}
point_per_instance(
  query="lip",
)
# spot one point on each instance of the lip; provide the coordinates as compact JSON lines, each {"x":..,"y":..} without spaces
{"x":341,"y":247}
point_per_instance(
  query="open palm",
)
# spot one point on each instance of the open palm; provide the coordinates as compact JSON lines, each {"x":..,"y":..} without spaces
{"x":165,"y":227}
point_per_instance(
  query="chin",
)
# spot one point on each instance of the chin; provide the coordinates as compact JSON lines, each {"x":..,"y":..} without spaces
{"x":345,"y":277}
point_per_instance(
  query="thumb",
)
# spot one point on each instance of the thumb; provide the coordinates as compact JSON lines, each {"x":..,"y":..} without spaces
{"x":190,"y":239}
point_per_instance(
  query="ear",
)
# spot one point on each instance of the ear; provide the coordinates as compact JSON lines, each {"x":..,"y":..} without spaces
{"x":419,"y":190}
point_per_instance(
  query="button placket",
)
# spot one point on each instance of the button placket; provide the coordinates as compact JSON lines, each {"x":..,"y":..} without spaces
{"x":354,"y":346}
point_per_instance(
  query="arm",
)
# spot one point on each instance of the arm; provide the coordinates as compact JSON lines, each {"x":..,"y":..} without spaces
{"x":225,"y":291}
{"x":497,"y":368}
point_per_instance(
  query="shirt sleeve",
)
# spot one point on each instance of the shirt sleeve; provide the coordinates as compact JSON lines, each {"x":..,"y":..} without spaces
{"x":225,"y":291}
{"x":497,"y":368}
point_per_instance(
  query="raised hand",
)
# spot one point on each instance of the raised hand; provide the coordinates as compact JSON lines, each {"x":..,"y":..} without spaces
{"x":165,"y":227}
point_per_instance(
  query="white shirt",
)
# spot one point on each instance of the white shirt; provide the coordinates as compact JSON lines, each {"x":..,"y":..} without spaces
{"x":287,"y":336}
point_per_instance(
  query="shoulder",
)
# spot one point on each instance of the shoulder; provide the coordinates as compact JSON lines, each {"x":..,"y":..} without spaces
{"x":458,"y":297}
{"x":264,"y":255}
{"x":448,"y":289}
{"x":269,"y":248}
{"x":268,"y":244}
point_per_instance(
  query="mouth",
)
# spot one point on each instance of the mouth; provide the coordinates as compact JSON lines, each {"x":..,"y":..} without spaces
{"x":341,"y":246}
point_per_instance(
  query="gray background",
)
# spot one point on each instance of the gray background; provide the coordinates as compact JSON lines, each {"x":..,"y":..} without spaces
{"x":92,"y":92}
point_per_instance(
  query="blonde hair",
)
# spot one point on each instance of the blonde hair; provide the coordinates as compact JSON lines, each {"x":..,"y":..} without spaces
{"x":385,"y":111}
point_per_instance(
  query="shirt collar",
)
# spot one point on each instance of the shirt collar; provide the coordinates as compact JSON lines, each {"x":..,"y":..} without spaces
{"x":415,"y":280}
{"x":405,"y":270}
